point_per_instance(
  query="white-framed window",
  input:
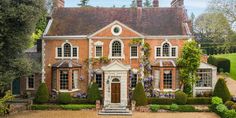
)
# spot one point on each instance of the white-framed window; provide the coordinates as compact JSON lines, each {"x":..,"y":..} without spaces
{"x":30,"y":82}
{"x":166,"y":50}
{"x":116,"y":49}
{"x":173,"y":52}
{"x":98,"y":51}
{"x":158,"y":51}
{"x":67,"y":51}
{"x":205,"y":78}
{"x":116,"y":30}
{"x":167,"y":79}
{"x":133,"y":81}
{"x":75,"y":76}
{"x":134,"y":51}
{"x":99,"y":80}
{"x":64,"y":80}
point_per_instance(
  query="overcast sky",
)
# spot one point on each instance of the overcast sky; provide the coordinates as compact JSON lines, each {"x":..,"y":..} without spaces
{"x":193,"y":6}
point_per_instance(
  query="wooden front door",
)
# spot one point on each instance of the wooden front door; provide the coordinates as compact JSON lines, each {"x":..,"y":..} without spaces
{"x":115,"y":92}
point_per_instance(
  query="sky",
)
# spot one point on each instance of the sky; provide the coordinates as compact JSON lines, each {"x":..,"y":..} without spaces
{"x":193,"y":6}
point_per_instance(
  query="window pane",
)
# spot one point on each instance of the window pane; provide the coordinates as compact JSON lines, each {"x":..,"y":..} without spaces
{"x":98,"y":51}
{"x":205,"y":78}
{"x":75,"y":51}
{"x":64,"y":80}
{"x":168,"y":79}
{"x":116,"y":49}
{"x":173,"y":52}
{"x":99,"y":80}
{"x":31,"y":81}
{"x":158,"y":52}
{"x":59,"y":52}
{"x":67,"y":50}
{"x":134,"y":52}
{"x":166,"y":50}
{"x":134,"y":81}
{"x":75,"y":79}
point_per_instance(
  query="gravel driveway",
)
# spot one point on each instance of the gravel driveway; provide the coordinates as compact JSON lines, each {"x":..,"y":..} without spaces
{"x":93,"y":114}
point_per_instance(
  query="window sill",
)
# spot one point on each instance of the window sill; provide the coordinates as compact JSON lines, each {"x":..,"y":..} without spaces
{"x":100,"y":89}
{"x":66,"y":57}
{"x":67,"y":91}
{"x":116,"y":57}
{"x":166,"y":57}
{"x":205,"y":88}
{"x":133,"y":57}
{"x":30,"y":89}
{"x":167,"y":90}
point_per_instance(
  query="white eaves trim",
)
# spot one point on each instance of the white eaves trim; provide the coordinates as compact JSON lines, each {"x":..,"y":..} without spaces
{"x":169,"y":37}
{"x":66,"y":37}
{"x":48,"y":27}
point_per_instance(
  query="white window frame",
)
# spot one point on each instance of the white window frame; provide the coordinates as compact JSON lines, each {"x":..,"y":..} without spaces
{"x":76,"y":84}
{"x":27,"y":84}
{"x":122,"y":49}
{"x":62,"y":49}
{"x":100,"y":88}
{"x":209,"y":87}
{"x":133,"y":57}
{"x":96,"y":51}
{"x":170,"y":51}
{"x":171,"y":72}
{"x":155,"y":55}
{"x":114,"y":33}
{"x":136,"y":81}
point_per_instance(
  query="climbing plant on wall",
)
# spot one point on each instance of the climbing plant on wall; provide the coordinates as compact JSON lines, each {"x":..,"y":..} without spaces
{"x":145,"y":64}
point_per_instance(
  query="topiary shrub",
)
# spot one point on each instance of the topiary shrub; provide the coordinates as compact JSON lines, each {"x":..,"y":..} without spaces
{"x":42,"y":94}
{"x":221,"y":90}
{"x":64,"y":98}
{"x":230,"y":114}
{"x":93,"y":93}
{"x":229,"y":104}
{"x":233,"y":106}
{"x":221,"y":108}
{"x":180,"y":98}
{"x":216,"y":101}
{"x":154,"y":108}
{"x":139,"y":95}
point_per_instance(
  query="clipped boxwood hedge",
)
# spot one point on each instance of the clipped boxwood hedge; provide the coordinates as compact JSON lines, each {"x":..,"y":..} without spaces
{"x":161,"y":101}
{"x":222,"y":64}
{"x":199,"y":100}
{"x":173,"y":107}
{"x":64,"y":107}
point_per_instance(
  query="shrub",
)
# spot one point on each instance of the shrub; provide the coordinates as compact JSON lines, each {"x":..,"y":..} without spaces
{"x":221,"y":90}
{"x":45,"y":107}
{"x":180,"y":98}
{"x":80,"y":101}
{"x":223,"y":64}
{"x":161,"y":101}
{"x":42,"y":94}
{"x":233,"y":106}
{"x":64,"y":98}
{"x":166,"y":107}
{"x":77,"y":107}
{"x":230,"y":114}
{"x":187,"y":108}
{"x":174,"y":107}
{"x":139,"y":95}
{"x":199,"y":100}
{"x":221,"y":108}
{"x":229,"y":104}
{"x":211,"y":60}
{"x":216,"y":101}
{"x":154,"y":108}
{"x":94,"y":93}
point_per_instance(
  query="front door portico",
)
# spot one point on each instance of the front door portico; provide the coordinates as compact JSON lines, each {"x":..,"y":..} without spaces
{"x":115,"y":84}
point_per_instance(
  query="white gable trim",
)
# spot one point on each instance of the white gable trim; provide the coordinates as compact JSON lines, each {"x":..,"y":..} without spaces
{"x":114,"y":23}
{"x":116,"y":66}
{"x":48,"y":27}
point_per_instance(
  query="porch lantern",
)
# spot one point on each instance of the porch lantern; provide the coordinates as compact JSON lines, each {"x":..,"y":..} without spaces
{"x":108,"y":81}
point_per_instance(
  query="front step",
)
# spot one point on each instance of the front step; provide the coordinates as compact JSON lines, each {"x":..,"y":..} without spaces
{"x":115,"y":111}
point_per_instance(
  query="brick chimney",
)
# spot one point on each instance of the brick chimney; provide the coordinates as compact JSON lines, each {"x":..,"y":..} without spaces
{"x":155,"y":3}
{"x":139,"y":3}
{"x":177,"y":3}
{"x":59,"y":3}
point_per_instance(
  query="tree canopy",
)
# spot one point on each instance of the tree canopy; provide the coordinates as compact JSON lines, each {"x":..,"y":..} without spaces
{"x":83,"y":3}
{"x":18,"y":20}
{"x":147,"y":3}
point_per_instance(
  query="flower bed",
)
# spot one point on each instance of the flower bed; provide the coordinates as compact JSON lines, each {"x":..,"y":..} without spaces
{"x":64,"y":107}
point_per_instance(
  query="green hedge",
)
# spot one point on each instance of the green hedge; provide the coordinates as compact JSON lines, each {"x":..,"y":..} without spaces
{"x":161,"y":101}
{"x":81,"y":101}
{"x":173,"y":107}
{"x":222,"y":64}
{"x":64,"y":98}
{"x":180,"y":98}
{"x":64,"y":107}
{"x":199,"y":100}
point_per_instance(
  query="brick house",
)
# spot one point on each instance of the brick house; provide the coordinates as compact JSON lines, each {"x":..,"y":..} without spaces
{"x":76,"y":38}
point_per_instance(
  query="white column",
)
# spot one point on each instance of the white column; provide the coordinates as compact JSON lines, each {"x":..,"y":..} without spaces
{"x":89,"y":60}
{"x":43,"y":61}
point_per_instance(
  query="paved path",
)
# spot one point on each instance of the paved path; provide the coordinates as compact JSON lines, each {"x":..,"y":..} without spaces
{"x":231,"y":85}
{"x":93,"y":114}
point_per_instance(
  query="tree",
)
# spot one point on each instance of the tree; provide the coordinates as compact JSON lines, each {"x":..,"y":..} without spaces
{"x":147,"y":3}
{"x":133,"y":4}
{"x":227,"y":7}
{"x":42,"y":94}
{"x":94,"y":93}
{"x":18,"y":21}
{"x":83,"y":3}
{"x":221,"y":90}
{"x":139,"y":95}
{"x":189,"y":63}
{"x":212,"y":27}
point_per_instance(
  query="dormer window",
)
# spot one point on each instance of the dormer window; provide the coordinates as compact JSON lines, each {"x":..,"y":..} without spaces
{"x":67,"y":51}
{"x":166,"y":50}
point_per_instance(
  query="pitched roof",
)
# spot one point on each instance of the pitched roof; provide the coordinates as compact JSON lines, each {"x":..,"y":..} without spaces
{"x":66,"y":64}
{"x":88,"y":20}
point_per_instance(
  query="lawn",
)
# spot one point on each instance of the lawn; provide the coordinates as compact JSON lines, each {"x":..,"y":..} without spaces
{"x":232,"y":58}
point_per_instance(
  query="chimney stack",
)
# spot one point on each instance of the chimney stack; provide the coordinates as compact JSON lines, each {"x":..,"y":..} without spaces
{"x":177,"y":3}
{"x":139,"y":3}
{"x":155,"y":3}
{"x":59,"y":3}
